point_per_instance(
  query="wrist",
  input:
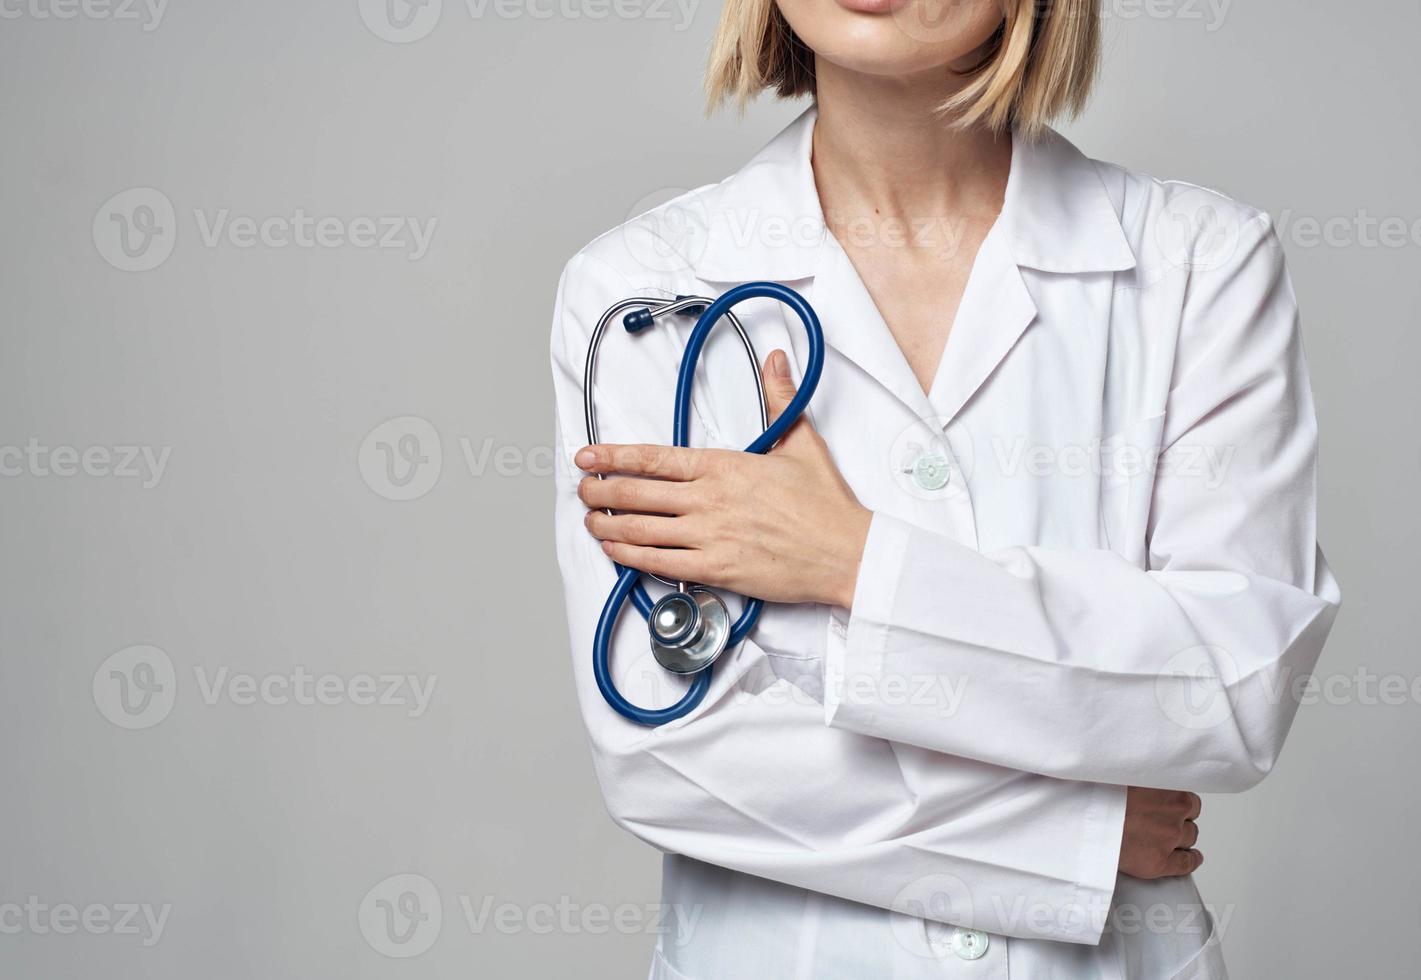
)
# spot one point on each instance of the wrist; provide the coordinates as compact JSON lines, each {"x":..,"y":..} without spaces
{"x":855,"y":537}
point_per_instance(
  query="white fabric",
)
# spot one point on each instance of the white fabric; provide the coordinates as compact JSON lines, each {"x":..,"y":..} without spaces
{"x":1061,"y":619}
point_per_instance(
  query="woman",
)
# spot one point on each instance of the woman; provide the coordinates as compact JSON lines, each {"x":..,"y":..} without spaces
{"x":1041,"y":557}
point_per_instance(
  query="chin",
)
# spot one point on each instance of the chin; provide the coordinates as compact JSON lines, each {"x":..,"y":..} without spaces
{"x":893,"y":37}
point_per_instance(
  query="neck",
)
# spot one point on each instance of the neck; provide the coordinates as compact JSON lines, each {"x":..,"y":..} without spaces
{"x":881,"y":146}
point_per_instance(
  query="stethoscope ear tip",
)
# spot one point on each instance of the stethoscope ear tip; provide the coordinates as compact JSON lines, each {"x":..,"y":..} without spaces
{"x":638,"y":320}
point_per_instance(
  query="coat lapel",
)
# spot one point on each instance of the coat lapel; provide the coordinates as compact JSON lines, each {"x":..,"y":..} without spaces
{"x":994,"y":312}
{"x":1060,"y":215}
{"x":854,"y":328}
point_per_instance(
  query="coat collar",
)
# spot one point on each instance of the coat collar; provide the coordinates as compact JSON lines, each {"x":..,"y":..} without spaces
{"x":765,"y":221}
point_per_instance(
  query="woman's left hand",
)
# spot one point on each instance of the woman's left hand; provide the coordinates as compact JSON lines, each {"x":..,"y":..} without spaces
{"x":783,"y":527}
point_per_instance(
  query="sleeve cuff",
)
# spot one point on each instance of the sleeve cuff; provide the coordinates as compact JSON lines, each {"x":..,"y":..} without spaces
{"x":857,"y":686}
{"x":853,"y":662}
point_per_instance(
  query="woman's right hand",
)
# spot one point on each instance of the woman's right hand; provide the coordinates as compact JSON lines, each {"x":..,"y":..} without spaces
{"x":1160,"y":833}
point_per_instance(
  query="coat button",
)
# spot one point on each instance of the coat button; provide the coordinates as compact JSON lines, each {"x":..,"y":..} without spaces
{"x":970,"y":944}
{"x":931,"y":472}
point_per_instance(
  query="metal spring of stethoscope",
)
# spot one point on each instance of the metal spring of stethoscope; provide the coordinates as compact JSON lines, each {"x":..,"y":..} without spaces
{"x":690,"y":627}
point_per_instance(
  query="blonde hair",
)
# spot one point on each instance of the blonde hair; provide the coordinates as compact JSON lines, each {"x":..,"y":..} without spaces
{"x":1040,"y":63}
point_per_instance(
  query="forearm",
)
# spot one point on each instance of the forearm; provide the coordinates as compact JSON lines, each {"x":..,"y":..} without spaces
{"x":1079,"y":664}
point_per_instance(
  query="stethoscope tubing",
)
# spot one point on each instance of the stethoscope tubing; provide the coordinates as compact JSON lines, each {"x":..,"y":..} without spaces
{"x":628,"y":579}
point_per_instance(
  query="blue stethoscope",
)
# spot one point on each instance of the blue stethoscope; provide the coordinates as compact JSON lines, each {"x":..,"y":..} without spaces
{"x":690,"y":626}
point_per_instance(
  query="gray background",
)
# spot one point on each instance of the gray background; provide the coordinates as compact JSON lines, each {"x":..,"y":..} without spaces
{"x":271,"y":541}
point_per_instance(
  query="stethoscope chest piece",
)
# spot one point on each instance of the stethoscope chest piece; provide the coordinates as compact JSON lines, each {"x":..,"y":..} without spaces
{"x":689,"y":630}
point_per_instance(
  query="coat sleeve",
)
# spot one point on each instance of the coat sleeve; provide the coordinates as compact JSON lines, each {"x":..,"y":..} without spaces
{"x":1082,"y":665}
{"x":755,"y":781}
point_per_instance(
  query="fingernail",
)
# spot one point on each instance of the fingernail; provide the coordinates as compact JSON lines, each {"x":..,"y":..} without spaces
{"x":607,"y":547}
{"x":779,"y":364}
{"x":585,"y":458}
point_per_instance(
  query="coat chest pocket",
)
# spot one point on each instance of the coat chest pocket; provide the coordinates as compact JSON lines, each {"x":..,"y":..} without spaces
{"x":793,"y":638}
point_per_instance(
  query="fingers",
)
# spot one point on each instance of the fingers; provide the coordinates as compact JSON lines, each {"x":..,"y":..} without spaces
{"x":1161,"y":833}
{"x":639,"y":529}
{"x":672,"y":563}
{"x":1182,"y":862}
{"x":626,"y":493}
{"x":663,"y":462}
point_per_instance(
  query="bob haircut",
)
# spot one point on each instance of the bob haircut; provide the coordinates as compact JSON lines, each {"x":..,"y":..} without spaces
{"x":1040,"y":63}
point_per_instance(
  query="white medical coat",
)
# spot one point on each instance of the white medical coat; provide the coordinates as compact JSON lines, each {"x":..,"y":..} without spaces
{"x":1092,"y":564}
